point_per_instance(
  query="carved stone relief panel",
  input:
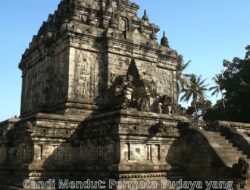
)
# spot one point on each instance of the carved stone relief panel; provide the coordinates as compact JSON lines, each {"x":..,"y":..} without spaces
{"x":164,"y":83}
{"x":148,"y":148}
{"x":45,"y":83}
{"x":48,"y":151}
{"x":156,"y":152}
{"x":58,"y":77}
{"x":117,"y":66}
{"x":137,"y":152}
{"x":83,"y":75}
{"x":32,"y":88}
{"x":125,"y":152}
{"x":146,"y":69}
{"x":164,"y":151}
{"x":175,"y":96}
{"x":141,"y":152}
{"x":38,"y":152}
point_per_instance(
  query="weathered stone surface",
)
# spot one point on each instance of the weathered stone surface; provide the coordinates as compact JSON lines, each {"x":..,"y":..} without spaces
{"x":93,"y":77}
{"x":77,"y":55}
{"x":99,"y":101}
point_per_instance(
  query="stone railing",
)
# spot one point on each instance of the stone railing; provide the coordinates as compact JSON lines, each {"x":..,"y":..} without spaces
{"x":237,"y":133}
{"x":240,"y":127}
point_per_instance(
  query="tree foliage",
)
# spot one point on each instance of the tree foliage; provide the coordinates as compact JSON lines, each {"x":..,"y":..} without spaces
{"x":194,"y":91}
{"x":235,"y":82}
{"x":182,"y":79}
{"x":216,"y":90}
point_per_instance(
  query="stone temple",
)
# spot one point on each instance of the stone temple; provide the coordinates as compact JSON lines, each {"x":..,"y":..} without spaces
{"x":99,"y":102}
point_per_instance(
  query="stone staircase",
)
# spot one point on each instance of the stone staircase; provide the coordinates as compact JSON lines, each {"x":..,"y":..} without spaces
{"x":227,"y":152}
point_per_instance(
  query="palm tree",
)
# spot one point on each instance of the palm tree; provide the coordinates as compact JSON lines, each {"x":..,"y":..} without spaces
{"x":182,"y":79}
{"x":194,"y":90}
{"x":216,"y":90}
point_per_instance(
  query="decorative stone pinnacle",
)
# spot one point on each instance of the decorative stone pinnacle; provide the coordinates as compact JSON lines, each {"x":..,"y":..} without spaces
{"x":164,"y":40}
{"x":91,"y":19}
{"x":113,"y":22}
{"x":141,"y":28}
{"x":145,"y":16}
{"x":153,"y":35}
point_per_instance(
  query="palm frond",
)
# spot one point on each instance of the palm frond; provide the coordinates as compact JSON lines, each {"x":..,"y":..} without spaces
{"x":213,"y":88}
{"x":184,"y":66}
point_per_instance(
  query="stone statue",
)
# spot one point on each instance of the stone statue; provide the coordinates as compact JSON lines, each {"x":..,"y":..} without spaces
{"x":240,"y":171}
{"x":122,"y":91}
{"x":160,"y":107}
{"x":127,"y":97}
{"x":144,"y":105}
{"x":166,"y":105}
{"x":29,"y":127}
{"x":134,"y":103}
{"x":127,"y":90}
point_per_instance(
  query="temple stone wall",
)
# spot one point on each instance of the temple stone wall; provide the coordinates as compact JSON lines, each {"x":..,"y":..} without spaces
{"x":2,"y":153}
{"x":97,"y":87}
{"x":73,"y":60}
{"x":99,"y":102}
{"x":163,"y":78}
{"x":84,"y":78}
{"x":165,"y":81}
{"x":152,"y":152}
{"x":44,"y":80}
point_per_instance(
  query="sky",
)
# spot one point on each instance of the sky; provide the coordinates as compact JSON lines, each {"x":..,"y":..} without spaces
{"x":203,"y":31}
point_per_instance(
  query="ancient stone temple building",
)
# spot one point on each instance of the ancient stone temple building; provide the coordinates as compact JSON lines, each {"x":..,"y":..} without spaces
{"x":99,"y":102}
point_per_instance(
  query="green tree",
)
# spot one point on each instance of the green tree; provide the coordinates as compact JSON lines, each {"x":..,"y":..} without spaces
{"x":194,"y":91}
{"x":202,"y":106}
{"x":182,"y":79}
{"x":216,"y":90}
{"x":236,"y":83}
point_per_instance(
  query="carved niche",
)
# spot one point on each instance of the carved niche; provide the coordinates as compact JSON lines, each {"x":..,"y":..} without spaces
{"x":131,"y":91}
